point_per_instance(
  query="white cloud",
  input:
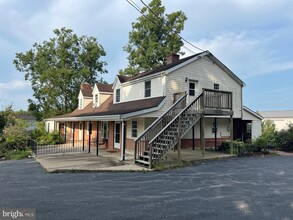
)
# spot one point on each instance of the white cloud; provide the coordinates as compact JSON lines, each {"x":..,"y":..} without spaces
{"x":14,"y":85}
{"x":247,"y":53}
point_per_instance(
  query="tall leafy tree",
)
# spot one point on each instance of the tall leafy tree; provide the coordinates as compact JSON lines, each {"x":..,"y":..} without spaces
{"x":57,"y":67}
{"x":152,"y":39}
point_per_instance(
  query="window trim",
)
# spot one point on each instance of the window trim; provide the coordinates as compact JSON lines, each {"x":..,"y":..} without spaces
{"x":117,"y":95}
{"x":96,"y":99}
{"x":134,"y":130}
{"x":195,"y":82}
{"x":216,"y":86}
{"x":148,"y":90}
{"x":104,"y":129}
{"x":80,"y":103}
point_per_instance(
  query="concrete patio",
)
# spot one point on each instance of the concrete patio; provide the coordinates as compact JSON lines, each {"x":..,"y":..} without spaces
{"x":110,"y":160}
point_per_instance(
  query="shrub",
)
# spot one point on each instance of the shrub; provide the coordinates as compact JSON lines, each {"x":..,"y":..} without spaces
{"x":16,"y":136}
{"x":284,"y":139}
{"x":18,"y":154}
{"x":239,"y":147}
{"x":44,"y":137}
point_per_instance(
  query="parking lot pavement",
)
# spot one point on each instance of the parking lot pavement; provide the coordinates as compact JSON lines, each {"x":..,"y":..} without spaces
{"x":235,"y":188}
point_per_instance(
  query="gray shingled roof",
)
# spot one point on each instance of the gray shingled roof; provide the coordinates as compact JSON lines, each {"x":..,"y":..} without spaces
{"x":277,"y":114}
{"x":105,"y":87}
{"x":123,"y":79}
{"x":108,"y":108}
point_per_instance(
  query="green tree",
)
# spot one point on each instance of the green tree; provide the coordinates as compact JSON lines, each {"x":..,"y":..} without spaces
{"x":57,"y":67}
{"x":151,"y":39}
{"x":7,"y":118}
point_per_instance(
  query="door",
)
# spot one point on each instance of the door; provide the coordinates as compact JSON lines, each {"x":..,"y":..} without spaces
{"x":117,"y":135}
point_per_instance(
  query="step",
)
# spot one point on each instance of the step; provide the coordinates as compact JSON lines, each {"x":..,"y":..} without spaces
{"x":144,"y":157}
{"x":142,"y":162}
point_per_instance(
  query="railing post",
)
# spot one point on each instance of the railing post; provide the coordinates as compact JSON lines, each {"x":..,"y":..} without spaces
{"x":231,"y":133}
{"x":179,"y":138}
{"x":151,"y":156}
{"x":203,"y":99}
{"x":202,"y":135}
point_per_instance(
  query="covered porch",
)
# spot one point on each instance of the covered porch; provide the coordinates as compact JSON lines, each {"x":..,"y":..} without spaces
{"x":110,"y":161}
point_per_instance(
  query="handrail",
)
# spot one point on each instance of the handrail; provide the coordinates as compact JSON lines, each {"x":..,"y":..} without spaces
{"x":141,"y":142}
{"x":159,"y":118}
{"x":178,"y":115}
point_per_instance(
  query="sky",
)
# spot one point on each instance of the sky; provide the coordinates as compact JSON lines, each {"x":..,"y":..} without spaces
{"x":252,"y":38}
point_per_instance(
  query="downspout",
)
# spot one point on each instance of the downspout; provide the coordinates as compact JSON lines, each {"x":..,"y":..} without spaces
{"x":122,"y":122}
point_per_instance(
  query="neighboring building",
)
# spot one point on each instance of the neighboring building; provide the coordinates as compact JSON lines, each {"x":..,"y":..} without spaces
{"x":197,"y":100}
{"x":29,"y":119}
{"x":281,"y":119}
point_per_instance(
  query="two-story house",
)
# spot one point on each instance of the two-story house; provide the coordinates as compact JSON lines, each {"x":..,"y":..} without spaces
{"x":191,"y":102}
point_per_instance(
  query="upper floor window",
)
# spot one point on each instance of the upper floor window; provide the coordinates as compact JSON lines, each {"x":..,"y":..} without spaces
{"x":134,"y":129}
{"x":117,"y":95}
{"x":80,"y":103}
{"x":192,"y":87}
{"x":216,"y":86}
{"x":147,"y":89}
{"x":96,"y":100}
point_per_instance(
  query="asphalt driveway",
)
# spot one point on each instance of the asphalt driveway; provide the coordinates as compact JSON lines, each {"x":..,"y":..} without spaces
{"x":235,"y":188}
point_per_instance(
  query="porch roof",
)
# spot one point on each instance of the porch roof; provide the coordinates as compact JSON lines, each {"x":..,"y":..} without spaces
{"x":107,"y":108}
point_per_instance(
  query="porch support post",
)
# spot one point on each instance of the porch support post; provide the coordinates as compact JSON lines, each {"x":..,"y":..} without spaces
{"x":179,"y":140}
{"x":65,"y":131}
{"x":73,"y":132}
{"x":202,"y":135}
{"x":216,"y":131}
{"x":97,"y":140}
{"x":83,"y":126}
{"x":193,"y":137}
{"x":231,"y":133}
{"x":123,"y":140}
{"x":90,"y":132}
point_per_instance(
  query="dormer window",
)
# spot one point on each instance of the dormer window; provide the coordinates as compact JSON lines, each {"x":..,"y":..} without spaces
{"x":147,"y":89}
{"x":117,"y":95}
{"x":96,"y":100}
{"x":80,"y":104}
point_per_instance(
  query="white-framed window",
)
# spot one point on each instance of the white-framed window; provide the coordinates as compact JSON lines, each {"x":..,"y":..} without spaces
{"x":117,"y":95}
{"x":192,"y":88}
{"x":96,"y":99}
{"x":147,"y":89}
{"x":134,"y":129}
{"x":80,"y":103}
{"x":104,"y":128}
{"x":216,"y":86}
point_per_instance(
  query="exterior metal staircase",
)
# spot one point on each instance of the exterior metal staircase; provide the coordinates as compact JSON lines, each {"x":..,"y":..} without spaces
{"x":165,"y":132}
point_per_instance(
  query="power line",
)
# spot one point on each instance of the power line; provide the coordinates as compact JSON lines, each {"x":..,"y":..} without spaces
{"x":134,"y":5}
{"x":171,"y":28}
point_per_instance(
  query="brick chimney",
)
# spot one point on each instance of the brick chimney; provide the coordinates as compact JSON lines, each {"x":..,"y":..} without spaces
{"x":86,"y":86}
{"x":172,"y":58}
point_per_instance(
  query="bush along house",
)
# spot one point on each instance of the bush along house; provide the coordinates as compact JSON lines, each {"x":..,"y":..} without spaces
{"x":186,"y":103}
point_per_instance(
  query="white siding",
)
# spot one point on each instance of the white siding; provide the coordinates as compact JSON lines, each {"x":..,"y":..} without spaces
{"x":281,"y":123}
{"x":255,"y":124}
{"x":50,"y":126}
{"x":222,"y":128}
{"x":140,"y":127}
{"x":206,"y":73}
{"x":131,"y":92}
